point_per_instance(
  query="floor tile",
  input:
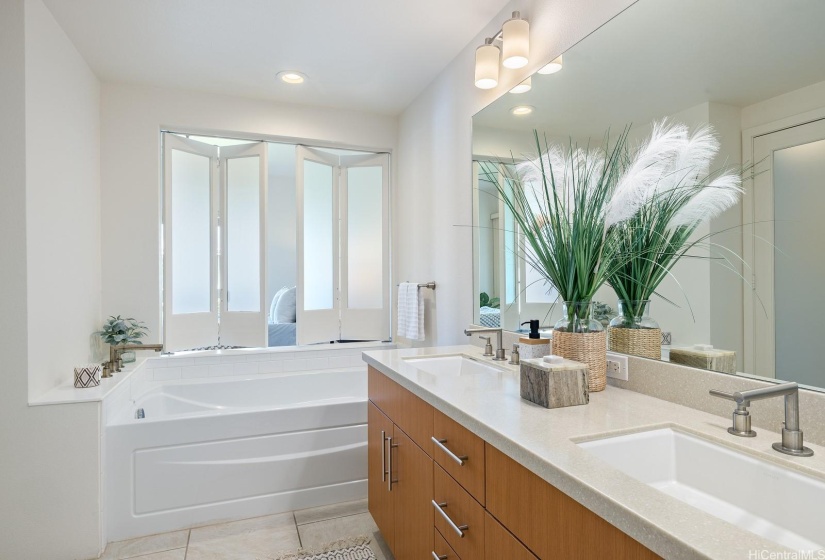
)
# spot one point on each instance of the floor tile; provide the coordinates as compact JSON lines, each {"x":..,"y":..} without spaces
{"x":145,"y":545}
{"x":177,"y":554}
{"x":323,"y":513}
{"x":318,"y":534}
{"x":250,"y":539}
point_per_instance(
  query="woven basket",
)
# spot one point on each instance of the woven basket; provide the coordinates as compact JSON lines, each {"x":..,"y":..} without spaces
{"x":587,"y":348}
{"x":646,"y":343}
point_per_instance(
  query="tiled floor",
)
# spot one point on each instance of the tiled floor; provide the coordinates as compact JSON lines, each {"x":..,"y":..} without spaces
{"x":259,"y":538}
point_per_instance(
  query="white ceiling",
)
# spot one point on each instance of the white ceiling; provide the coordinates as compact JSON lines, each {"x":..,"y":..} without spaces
{"x":373,"y":55}
{"x":663,"y":56}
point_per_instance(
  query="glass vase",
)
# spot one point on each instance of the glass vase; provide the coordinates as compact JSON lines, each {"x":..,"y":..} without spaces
{"x":633,"y":331}
{"x":577,"y":317}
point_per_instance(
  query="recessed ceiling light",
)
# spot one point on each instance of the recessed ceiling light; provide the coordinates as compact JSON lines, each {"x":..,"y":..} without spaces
{"x":523,"y":87}
{"x":554,"y":66}
{"x":522,"y":110}
{"x":291,"y":77}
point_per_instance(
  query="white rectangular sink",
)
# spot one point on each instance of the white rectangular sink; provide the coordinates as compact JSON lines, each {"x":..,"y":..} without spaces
{"x":776,"y":503}
{"x":452,"y":365}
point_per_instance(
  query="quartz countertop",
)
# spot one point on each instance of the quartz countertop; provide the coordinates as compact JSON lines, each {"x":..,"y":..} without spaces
{"x":544,"y":441}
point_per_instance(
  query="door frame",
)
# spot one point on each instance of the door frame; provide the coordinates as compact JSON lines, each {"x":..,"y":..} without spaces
{"x":750,"y":307}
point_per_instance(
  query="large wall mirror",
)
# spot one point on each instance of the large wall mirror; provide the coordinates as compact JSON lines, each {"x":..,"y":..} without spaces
{"x":750,"y":300}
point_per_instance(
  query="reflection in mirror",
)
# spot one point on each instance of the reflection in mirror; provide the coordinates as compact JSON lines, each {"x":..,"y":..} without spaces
{"x":748,"y":300}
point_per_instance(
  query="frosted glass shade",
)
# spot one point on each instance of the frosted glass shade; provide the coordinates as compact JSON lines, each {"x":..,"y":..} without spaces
{"x":523,"y":87}
{"x":365,"y":227}
{"x":487,"y":66}
{"x":552,"y":67}
{"x":515,"y":43}
{"x":319,"y":251}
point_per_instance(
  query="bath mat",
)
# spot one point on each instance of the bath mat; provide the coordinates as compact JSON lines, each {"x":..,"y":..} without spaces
{"x":357,"y":548}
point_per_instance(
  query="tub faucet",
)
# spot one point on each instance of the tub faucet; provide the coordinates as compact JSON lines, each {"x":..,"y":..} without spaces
{"x":500,"y":346}
{"x":115,"y":363}
{"x":792,"y":443}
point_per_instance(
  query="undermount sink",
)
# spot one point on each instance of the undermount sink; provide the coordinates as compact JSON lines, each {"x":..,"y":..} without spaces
{"x":776,"y":503}
{"x":451,"y":365}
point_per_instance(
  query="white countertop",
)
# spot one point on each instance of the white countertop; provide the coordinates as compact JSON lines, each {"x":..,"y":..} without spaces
{"x":543,"y":441}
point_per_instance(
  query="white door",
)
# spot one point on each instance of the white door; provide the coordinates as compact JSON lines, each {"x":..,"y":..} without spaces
{"x":365,"y":247}
{"x":317,"y":291}
{"x":782,"y":326}
{"x":190,"y":265}
{"x":242,"y":224}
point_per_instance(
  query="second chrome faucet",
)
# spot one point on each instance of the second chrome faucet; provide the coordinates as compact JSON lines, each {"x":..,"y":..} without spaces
{"x":499,"y":356}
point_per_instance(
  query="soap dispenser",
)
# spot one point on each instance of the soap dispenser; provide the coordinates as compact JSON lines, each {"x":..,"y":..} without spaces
{"x":533,"y":346}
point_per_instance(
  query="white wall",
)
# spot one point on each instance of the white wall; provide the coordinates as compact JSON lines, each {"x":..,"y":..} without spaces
{"x":49,"y":483}
{"x":62,"y":201}
{"x":785,"y":105}
{"x":131,"y":120}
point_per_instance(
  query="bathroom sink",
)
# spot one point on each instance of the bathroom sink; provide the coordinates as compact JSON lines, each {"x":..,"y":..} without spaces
{"x":776,"y":503}
{"x":452,"y":365}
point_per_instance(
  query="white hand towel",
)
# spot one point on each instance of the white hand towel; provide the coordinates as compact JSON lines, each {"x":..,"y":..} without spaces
{"x":410,"y":311}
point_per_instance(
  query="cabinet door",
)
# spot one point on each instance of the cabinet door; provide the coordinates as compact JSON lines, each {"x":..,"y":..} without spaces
{"x":412,"y":491}
{"x":379,"y":431}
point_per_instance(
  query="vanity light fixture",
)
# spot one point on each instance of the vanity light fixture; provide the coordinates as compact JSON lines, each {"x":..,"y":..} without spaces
{"x":514,"y":38}
{"x":487,"y":65}
{"x":291,"y":77}
{"x":523,"y":87}
{"x":522,"y":110}
{"x":552,"y":67}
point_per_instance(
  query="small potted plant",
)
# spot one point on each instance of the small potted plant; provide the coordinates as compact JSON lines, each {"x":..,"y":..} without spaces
{"x":119,"y":331}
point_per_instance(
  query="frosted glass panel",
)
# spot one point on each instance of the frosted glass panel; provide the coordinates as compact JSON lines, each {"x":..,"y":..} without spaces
{"x":243,"y":234}
{"x":510,"y":264}
{"x":537,"y":289}
{"x":365,"y":262}
{"x":191,"y":220}
{"x":318,"y":236}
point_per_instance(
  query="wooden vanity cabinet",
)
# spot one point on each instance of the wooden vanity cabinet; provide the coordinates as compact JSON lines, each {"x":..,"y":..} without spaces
{"x":489,"y":506}
{"x":400,"y":472}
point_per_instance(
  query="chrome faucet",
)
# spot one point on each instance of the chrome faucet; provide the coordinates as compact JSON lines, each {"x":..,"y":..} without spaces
{"x":792,"y":442}
{"x":115,"y":363}
{"x":499,"y":341}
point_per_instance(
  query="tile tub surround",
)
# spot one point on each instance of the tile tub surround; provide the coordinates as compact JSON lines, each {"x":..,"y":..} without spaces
{"x":542,"y":440}
{"x":690,"y":387}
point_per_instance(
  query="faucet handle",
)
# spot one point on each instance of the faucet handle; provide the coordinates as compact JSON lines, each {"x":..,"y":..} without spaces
{"x":741,"y":417}
{"x":488,"y":349}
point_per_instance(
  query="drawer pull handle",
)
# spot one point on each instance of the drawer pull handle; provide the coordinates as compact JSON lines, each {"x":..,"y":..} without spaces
{"x":437,"y":557}
{"x":440,"y":443}
{"x":459,"y":529}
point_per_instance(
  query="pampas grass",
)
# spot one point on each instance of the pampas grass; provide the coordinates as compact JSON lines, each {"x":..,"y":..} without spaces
{"x":589,"y":216}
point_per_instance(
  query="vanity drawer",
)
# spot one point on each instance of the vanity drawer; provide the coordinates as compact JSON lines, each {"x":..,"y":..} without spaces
{"x":548,"y":521}
{"x":441,"y":549}
{"x":407,"y":411}
{"x":458,"y":517}
{"x":459,"y":452}
{"x":499,"y":543}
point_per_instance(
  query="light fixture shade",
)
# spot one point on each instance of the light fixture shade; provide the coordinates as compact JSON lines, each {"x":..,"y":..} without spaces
{"x":524,"y":86}
{"x":487,"y":57}
{"x":515,"y":39}
{"x":552,"y":67}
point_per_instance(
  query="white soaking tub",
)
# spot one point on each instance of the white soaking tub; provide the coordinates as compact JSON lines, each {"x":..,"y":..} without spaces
{"x":228,"y":448}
